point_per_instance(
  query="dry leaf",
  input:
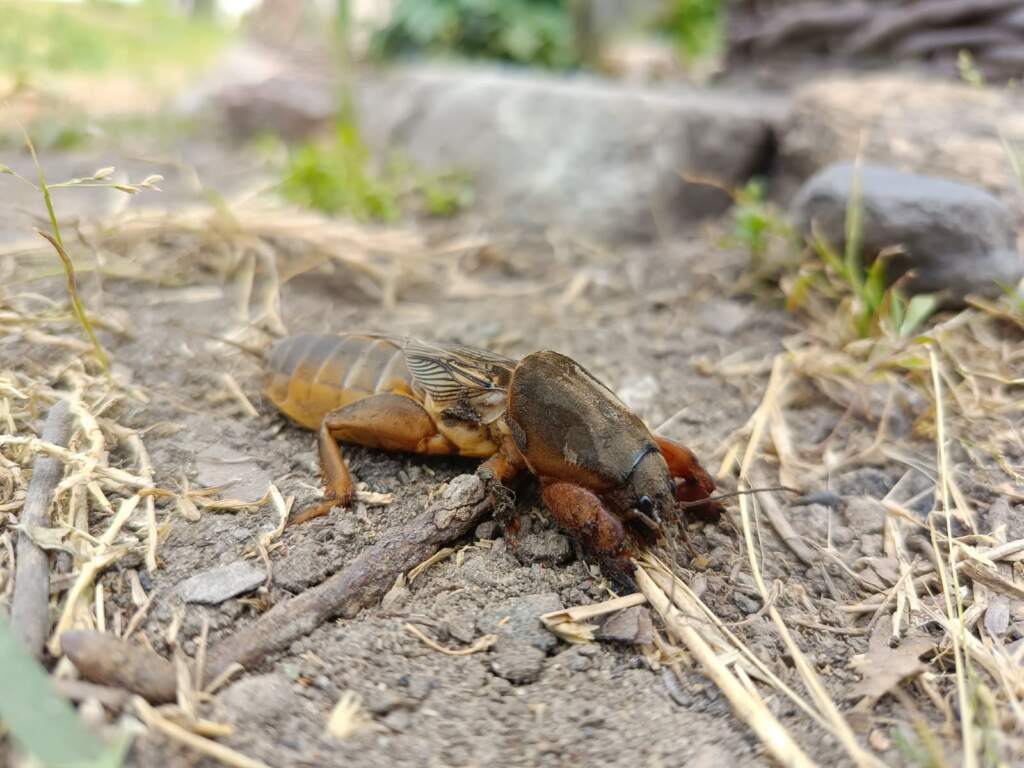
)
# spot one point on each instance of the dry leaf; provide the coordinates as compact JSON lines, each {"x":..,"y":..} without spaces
{"x":883,"y":667}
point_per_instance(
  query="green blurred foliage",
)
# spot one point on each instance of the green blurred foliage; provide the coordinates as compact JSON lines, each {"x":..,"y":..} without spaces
{"x":38,"y":37}
{"x":42,"y":723}
{"x":338,"y":175}
{"x":696,"y":26}
{"x":535,"y":32}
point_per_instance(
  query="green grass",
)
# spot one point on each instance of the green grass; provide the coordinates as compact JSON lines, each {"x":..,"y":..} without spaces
{"x":46,"y":37}
{"x":697,"y":27}
{"x":42,"y":723}
{"x":337,"y":175}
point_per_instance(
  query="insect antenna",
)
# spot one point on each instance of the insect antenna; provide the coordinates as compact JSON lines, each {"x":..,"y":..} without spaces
{"x":720,"y":496}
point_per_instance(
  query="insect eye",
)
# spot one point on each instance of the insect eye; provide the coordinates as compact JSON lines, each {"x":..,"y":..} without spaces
{"x":645,"y":505}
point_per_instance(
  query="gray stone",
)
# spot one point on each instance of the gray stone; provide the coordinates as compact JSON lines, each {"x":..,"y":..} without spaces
{"x":632,"y":625}
{"x":462,"y":628}
{"x":575,"y":659}
{"x":487,"y":530}
{"x":221,"y":583}
{"x":260,"y":699}
{"x":518,"y":619}
{"x":545,"y":547}
{"x":923,"y":125}
{"x":580,"y":153}
{"x":398,"y":720}
{"x":746,"y":604}
{"x":517,"y":662}
{"x":237,"y":475}
{"x":954,"y":237}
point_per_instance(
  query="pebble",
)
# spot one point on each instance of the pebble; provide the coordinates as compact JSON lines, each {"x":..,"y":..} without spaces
{"x":216,"y":585}
{"x":746,"y":604}
{"x":261,"y":699}
{"x":487,"y":530}
{"x":632,"y":625}
{"x":518,"y":619}
{"x":954,"y":237}
{"x":517,"y":662}
{"x":545,"y":548}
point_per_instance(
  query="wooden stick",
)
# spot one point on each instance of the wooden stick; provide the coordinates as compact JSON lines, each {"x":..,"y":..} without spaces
{"x":30,"y":605}
{"x":364,"y":581}
{"x":108,"y":660}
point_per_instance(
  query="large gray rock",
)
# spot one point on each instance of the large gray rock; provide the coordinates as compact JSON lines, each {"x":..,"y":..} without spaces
{"x":954,"y":237}
{"x":585,"y":155}
{"x":926,"y":126}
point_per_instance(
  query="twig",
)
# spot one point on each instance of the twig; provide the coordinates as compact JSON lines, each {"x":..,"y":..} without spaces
{"x":103,"y":659}
{"x":364,"y":581}
{"x":30,"y":605}
{"x":464,"y":503}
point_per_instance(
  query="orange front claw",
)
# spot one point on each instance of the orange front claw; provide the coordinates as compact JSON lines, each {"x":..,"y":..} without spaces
{"x":693,"y":483}
{"x":583,"y":515}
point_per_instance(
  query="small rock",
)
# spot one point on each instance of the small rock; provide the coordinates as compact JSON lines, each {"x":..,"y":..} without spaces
{"x":462,"y":628}
{"x":722,"y":316}
{"x":546,"y":547}
{"x":518,"y":619}
{"x":381,"y":701}
{"x":954,"y":237}
{"x":632,"y":625}
{"x":589,"y":649}
{"x":517,"y":662}
{"x":261,"y":699}
{"x":487,"y":530}
{"x":574,"y":660}
{"x":398,"y":720}
{"x":237,"y":475}
{"x":746,"y":604}
{"x":221,"y":583}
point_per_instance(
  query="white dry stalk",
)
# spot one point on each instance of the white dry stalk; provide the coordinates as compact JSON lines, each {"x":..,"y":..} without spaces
{"x":819,"y":695}
{"x":954,"y":607}
{"x":100,"y":558}
{"x":157,"y":722}
{"x":748,"y":706}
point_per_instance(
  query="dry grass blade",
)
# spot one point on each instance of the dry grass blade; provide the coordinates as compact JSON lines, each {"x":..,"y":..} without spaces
{"x":153,"y":719}
{"x":569,"y":623}
{"x":950,"y":584}
{"x":482,"y":643}
{"x":347,"y":716}
{"x":826,"y":706}
{"x":747,"y":705}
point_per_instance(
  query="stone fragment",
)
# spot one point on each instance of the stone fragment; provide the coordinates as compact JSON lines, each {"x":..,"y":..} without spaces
{"x":216,"y":585}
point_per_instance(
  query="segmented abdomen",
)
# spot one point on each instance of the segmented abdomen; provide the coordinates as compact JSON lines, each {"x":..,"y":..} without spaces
{"x":311,"y":374}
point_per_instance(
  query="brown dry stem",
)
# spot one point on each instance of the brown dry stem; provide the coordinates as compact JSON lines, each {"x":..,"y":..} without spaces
{"x":30,"y":605}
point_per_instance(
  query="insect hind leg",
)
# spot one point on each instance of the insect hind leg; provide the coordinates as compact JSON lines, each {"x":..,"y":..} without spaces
{"x":386,"y":421}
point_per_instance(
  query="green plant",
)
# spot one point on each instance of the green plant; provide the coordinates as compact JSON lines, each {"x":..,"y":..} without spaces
{"x":335,"y":176}
{"x":755,"y":221}
{"x":696,"y":27}
{"x":536,"y":32}
{"x":39,"y":38}
{"x":338,"y":175}
{"x":40,"y":721}
{"x":102,"y":179}
{"x":877,"y":306}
